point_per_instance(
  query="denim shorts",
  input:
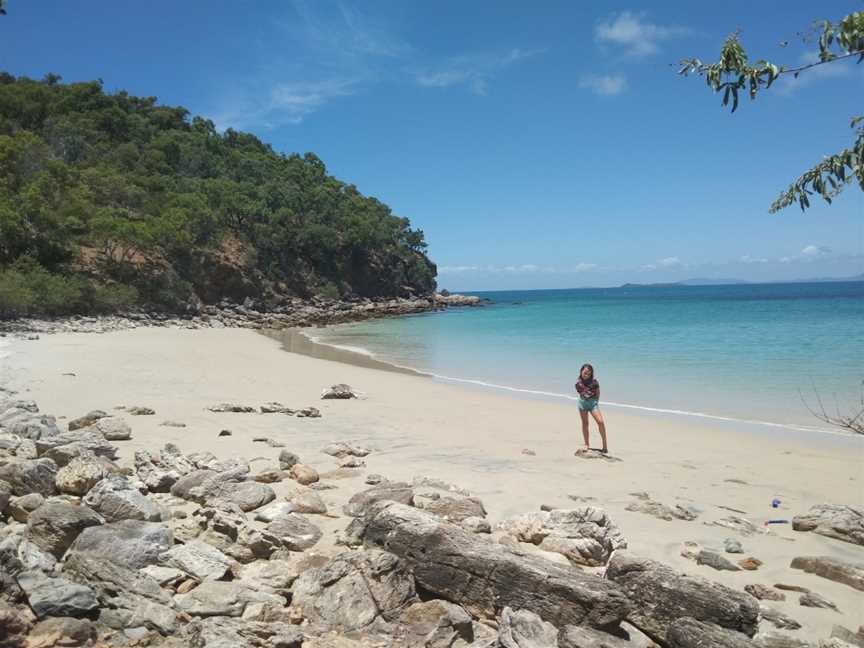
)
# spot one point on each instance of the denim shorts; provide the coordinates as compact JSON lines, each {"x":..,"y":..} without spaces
{"x":587,"y":404}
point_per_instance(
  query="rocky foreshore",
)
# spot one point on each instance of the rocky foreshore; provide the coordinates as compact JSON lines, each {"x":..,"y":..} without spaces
{"x":294,"y":312}
{"x":173,"y":549}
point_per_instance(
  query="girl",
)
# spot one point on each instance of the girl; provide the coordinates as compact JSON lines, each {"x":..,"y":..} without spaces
{"x":589,"y":394}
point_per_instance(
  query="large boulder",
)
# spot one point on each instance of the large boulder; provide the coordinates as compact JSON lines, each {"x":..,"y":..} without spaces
{"x":130,"y":543}
{"x":274,"y":576}
{"x":86,"y":421}
{"x":842,"y":522}
{"x":31,"y":476}
{"x":387,"y":491}
{"x":80,"y":475}
{"x":114,"y":428}
{"x":56,"y":596}
{"x":454,"y":509}
{"x":198,"y":559}
{"x":66,"y":445}
{"x":662,"y":596}
{"x":586,"y":535}
{"x":690,"y":633}
{"x":222,"y":598}
{"x":160,"y":473}
{"x":484,"y":577}
{"x":206,"y":486}
{"x":438,"y":624}
{"x":353,"y":590}
{"x":54,"y":526}
{"x":851,"y":574}
{"x":294,"y":531}
{"x":524,"y":629}
{"x":118,"y":498}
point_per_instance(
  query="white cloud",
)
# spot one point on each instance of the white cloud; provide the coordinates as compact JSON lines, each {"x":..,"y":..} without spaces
{"x":814,"y":251}
{"x":474,"y":72}
{"x":605,"y":85}
{"x":636,"y":36}
{"x":670,"y":262}
{"x":457,"y":269}
{"x":584,"y":267}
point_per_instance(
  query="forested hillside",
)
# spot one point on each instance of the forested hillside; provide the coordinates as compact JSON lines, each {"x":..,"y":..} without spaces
{"x":109,"y":201}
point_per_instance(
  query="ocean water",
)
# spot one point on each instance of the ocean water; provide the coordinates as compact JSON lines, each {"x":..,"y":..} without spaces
{"x":756,"y":352}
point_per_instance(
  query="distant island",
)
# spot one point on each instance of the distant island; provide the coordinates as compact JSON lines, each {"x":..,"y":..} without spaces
{"x":734,"y":282}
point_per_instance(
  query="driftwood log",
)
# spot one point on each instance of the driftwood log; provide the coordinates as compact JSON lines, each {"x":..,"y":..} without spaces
{"x":485,"y":577}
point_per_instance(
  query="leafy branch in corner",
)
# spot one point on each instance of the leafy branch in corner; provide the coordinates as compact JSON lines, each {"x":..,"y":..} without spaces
{"x":733,"y":75}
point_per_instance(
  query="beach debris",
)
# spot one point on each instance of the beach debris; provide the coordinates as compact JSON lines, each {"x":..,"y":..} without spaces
{"x":585,"y":535}
{"x":308,"y":412}
{"x":591,"y":453}
{"x":341,"y":450}
{"x":735,"y":480}
{"x":778,"y":619}
{"x":814,"y":600}
{"x":361,"y":502}
{"x":841,"y":571}
{"x":137,"y":410}
{"x":232,"y":407}
{"x":731,"y":545}
{"x":841,"y":522}
{"x":764,"y":593}
{"x":303,"y":474}
{"x":499,"y":578}
{"x":687,"y":632}
{"x":275,"y":408}
{"x":750,"y":564}
{"x":767,"y":522}
{"x":644,"y":504}
{"x":662,"y":595}
{"x":715,"y":561}
{"x":582,"y":499}
{"x":173,"y":424}
{"x":338,"y":392}
{"x":87,"y":420}
{"x":739,"y":524}
{"x":270,"y":442}
{"x":224,"y":433}
{"x":729,"y":508}
{"x":530,"y":453}
{"x":791,"y":588}
{"x":775,"y":503}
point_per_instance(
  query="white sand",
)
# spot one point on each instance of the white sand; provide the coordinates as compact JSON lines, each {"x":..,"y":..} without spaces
{"x":470,"y":437}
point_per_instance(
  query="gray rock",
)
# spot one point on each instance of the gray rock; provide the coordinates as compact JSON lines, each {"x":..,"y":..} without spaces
{"x":184,"y":487}
{"x":137,"y":410}
{"x":231,"y":407}
{"x":275,"y":408}
{"x":731,"y":545}
{"x":851,"y":574}
{"x":160,"y":473}
{"x":86,"y":421}
{"x":455,"y":509}
{"x":341,"y":449}
{"x":63,"y":631}
{"x":307,"y":501}
{"x":273,"y":510}
{"x":476,"y":525}
{"x":165,"y":576}
{"x":5,"y":496}
{"x":203,"y":486}
{"x":114,"y":428}
{"x":80,"y":475}
{"x":687,"y":632}
{"x":644,"y":504}
{"x":814,"y":600}
{"x":221,"y":598}
{"x":31,"y":476}
{"x":353,"y":590}
{"x":287,"y":459}
{"x":842,"y":522}
{"x":20,"y":508}
{"x":437,"y":624}
{"x":56,"y":596}
{"x":294,"y":531}
{"x":716,"y":561}
{"x":54,"y":526}
{"x":484,"y":577}
{"x":578,"y":637}
{"x":778,"y":619}
{"x":274,"y":575}
{"x":129,"y":543}
{"x":388,"y":491}
{"x":662,"y":595}
{"x":338,"y":392}
{"x":524,"y":629}
{"x":198,"y":559}
{"x":764,"y":593}
{"x":33,"y":426}
{"x":117,"y":498}
{"x":63,"y":447}
{"x":844,"y":634}
{"x":18,"y":554}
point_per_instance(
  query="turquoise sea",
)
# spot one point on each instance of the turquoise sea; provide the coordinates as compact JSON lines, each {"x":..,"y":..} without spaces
{"x":753,"y":352}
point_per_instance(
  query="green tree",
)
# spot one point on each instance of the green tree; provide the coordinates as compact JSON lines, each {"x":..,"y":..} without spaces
{"x":733,"y":75}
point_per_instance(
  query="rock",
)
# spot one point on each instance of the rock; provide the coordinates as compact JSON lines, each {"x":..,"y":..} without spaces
{"x":585,"y":536}
{"x":476,"y":525}
{"x":114,"y":428}
{"x":275,"y":408}
{"x":54,"y":526}
{"x":662,"y":595}
{"x":750,"y":564}
{"x":308,"y":412}
{"x":56,"y":596}
{"x":530,"y":453}
{"x":86,"y":421}
{"x":61,"y":631}
{"x":31,"y":476}
{"x":20,"y":508}
{"x":578,"y":637}
{"x":456,"y":509}
{"x":687,"y":632}
{"x":5,"y":496}
{"x":274,"y":575}
{"x":353,"y":589}
{"x":778,"y":619}
{"x":231,"y":534}
{"x":220,"y":598}
{"x":160,"y":473}
{"x":342,"y":450}
{"x":374,"y":479}
{"x":739,"y":524}
{"x":80,"y":475}
{"x":764,"y":593}
{"x":64,"y":447}
{"x":303,"y":474}
{"x":294,"y":532}
{"x":174,"y":424}
{"x":198,"y":559}
{"x":351,"y":462}
{"x":388,"y":491}
{"x":32,"y":426}
{"x":853,"y":638}
{"x":117,"y":498}
{"x":273,"y":510}
{"x":230,"y":407}
{"x":287,"y":459}
{"x":731,"y":545}
{"x":482,"y":576}
{"x":165,"y":576}
{"x":308,"y":501}
{"x":204,"y":486}
{"x":15,"y":624}
{"x":224,"y":433}
{"x":814,"y":600}
{"x":438,"y":484}
{"x":524,"y":629}
{"x":791,"y":588}
{"x":842,"y":522}
{"x":137,"y":410}
{"x":127,"y":598}
{"x":129,"y":543}
{"x":340,"y":392}
{"x":644,"y":504}
{"x":437,"y":624}
{"x":715,"y":561}
{"x":18,"y":553}
{"x":851,"y":574}
{"x":269,"y":476}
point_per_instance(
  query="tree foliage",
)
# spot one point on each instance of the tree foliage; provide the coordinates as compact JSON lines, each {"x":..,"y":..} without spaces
{"x":116,"y":189}
{"x":733,"y":75}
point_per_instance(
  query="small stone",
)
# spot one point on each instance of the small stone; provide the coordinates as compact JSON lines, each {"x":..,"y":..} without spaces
{"x":731,"y":545}
{"x":224,"y":433}
{"x":304,"y":474}
{"x":791,"y":588}
{"x":374,"y":479}
{"x":87,"y":420}
{"x":750,"y":564}
{"x":814,"y":600}
{"x":715,"y":561}
{"x":288,"y":459}
{"x":528,"y":452}
{"x":230,"y":407}
{"x":308,"y":412}
{"x":339,"y":392}
{"x":476,"y":525}
{"x":114,"y":428}
{"x":174,"y":424}
{"x":764,"y":593}
{"x":270,"y":476}
{"x":137,"y":410}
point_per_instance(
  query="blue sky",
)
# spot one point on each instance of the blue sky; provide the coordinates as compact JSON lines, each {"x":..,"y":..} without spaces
{"x":539,"y":146}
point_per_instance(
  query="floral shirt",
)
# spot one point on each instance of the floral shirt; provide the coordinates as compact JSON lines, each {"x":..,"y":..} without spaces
{"x":588,"y":390}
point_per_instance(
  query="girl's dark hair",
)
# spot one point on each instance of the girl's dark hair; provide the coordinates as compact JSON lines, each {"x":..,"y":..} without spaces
{"x":583,"y":369}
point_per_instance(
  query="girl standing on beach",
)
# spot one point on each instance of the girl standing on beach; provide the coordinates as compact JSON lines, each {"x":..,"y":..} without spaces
{"x":589,"y":396}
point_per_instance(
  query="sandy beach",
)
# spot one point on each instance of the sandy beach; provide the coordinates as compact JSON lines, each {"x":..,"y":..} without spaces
{"x":419,"y":427}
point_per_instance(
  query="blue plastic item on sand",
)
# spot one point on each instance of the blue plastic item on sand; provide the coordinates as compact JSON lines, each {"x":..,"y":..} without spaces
{"x":767,"y":522}
{"x":775,"y":503}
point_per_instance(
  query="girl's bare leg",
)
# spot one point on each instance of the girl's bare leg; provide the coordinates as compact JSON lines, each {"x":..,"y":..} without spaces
{"x":584,"y":416}
{"x":598,"y":416}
